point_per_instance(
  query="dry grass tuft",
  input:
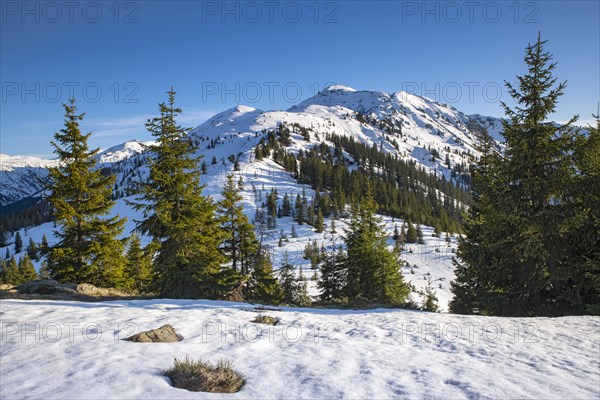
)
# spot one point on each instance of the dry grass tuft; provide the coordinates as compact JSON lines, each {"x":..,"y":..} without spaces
{"x":265,"y":319}
{"x":201,"y":376}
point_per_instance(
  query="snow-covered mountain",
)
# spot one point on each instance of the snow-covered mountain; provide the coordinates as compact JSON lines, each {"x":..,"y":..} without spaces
{"x":24,"y":176}
{"x":123,"y":151}
{"x":492,"y":124}
{"x":435,"y":136}
{"x":409,"y":126}
{"x":21,"y":176}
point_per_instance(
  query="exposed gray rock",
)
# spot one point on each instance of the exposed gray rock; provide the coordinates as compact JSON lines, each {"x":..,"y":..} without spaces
{"x":46,"y":286}
{"x":164,"y":334}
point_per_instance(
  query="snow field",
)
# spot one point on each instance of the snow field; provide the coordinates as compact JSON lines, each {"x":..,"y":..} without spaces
{"x":58,"y":350}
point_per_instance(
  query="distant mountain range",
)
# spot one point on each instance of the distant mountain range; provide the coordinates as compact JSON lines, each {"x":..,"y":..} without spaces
{"x":411,"y":127}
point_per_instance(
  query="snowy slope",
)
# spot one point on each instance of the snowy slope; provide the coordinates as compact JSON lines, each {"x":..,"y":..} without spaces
{"x":492,"y":124}
{"x":59,"y":350}
{"x":431,"y":260}
{"x":21,"y":176}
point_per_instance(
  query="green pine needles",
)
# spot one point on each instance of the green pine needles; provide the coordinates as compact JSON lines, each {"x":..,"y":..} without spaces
{"x":179,"y":218}
{"x":532,"y":244}
{"x":88,"y":248}
{"x":367,"y":270}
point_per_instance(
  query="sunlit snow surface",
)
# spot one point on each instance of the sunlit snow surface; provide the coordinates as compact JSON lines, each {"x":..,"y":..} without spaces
{"x":72,"y":350}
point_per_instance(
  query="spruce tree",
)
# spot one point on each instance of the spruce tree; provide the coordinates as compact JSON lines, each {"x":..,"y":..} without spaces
{"x":373,"y":271}
{"x":396,"y":235}
{"x":3,"y":233}
{"x":32,"y":250}
{"x":287,"y":280}
{"x":420,"y":238}
{"x":319,"y":221}
{"x":26,"y":269}
{"x":437,"y":230}
{"x":517,"y":256}
{"x":304,"y":299}
{"x":44,"y":271}
{"x":333,"y":276}
{"x":263,"y":286}
{"x":272,"y":209}
{"x":411,"y":233}
{"x":2,"y":268}
{"x":538,"y":166}
{"x":430,"y":300}
{"x":18,"y":243}
{"x":311,"y":252}
{"x":44,"y":247}
{"x":310,"y":215}
{"x":88,"y":249}
{"x":478,"y":251}
{"x":11,"y":273}
{"x":138,"y":266}
{"x":299,"y":208}
{"x":240,"y":245}
{"x":403,"y":233}
{"x":178,"y":217}
{"x":286,"y":206}
{"x":582,"y":225}
{"x":400,"y":239}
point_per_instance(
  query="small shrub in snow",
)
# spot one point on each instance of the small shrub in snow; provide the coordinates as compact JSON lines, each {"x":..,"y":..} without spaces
{"x":201,"y":376}
{"x":265,"y":319}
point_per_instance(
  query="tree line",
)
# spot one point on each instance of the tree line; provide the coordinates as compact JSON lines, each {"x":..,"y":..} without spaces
{"x":401,"y":188}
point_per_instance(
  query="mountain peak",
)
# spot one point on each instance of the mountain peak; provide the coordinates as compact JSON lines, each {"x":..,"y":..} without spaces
{"x":339,"y":88}
{"x":242,"y":109}
{"x":10,"y":162}
{"x":123,"y":151}
{"x":236,"y":112}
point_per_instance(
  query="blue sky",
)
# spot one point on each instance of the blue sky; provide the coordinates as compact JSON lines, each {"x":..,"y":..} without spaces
{"x":119,"y":58}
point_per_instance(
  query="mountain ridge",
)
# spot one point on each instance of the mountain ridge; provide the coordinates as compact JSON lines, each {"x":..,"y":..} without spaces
{"x":407,"y":126}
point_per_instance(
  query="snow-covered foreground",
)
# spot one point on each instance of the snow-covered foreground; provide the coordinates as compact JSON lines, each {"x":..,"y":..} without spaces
{"x":60,"y":350}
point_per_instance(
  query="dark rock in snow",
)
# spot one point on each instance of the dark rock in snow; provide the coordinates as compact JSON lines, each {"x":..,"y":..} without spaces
{"x":164,"y":334}
{"x":46,"y":286}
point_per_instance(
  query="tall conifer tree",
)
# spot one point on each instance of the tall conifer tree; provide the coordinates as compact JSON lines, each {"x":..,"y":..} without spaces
{"x":519,"y":252}
{"x":138,"y":265}
{"x":88,"y":248}
{"x":240,"y":245}
{"x":26,"y":269}
{"x":178,"y":217}
{"x":373,"y":271}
